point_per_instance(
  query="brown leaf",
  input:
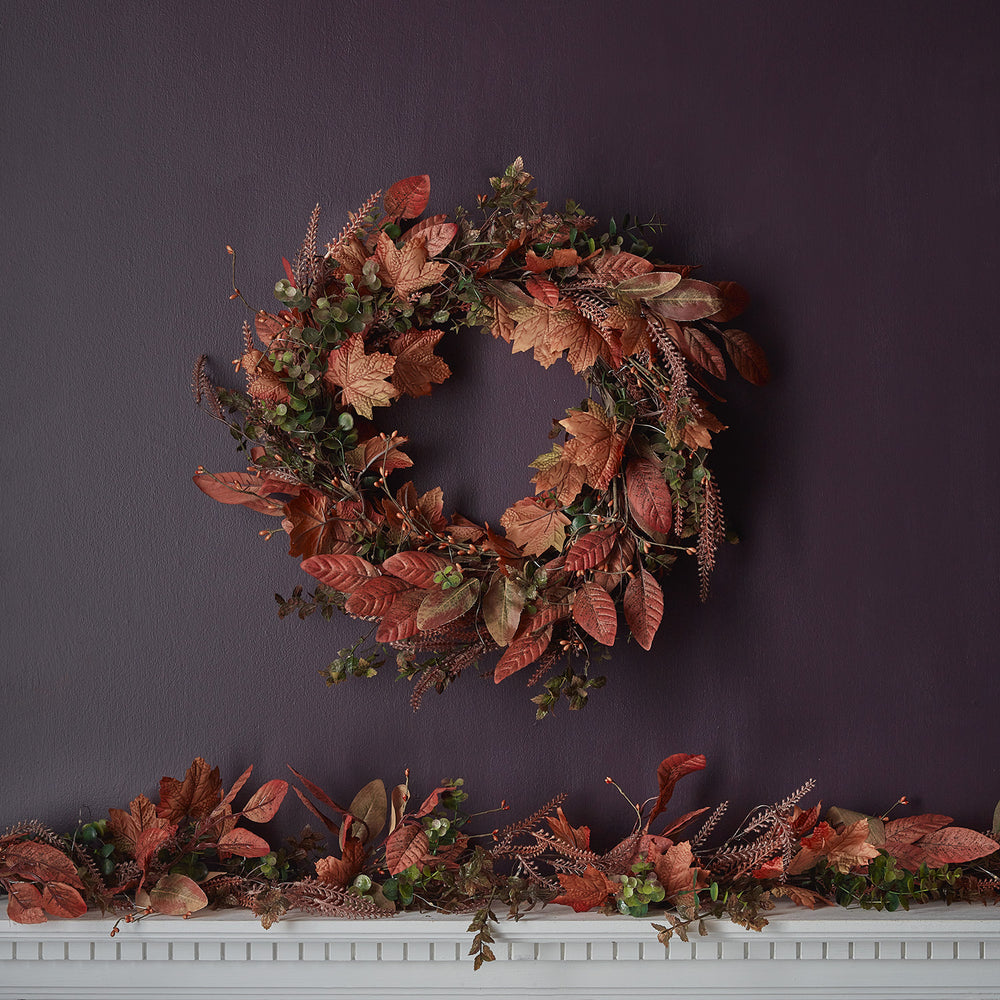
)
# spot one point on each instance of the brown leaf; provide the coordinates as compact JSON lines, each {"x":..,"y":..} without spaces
{"x":503,"y":603}
{"x":177,"y":895}
{"x":842,"y":851}
{"x":315,"y":525}
{"x":361,"y":376}
{"x":125,"y":827}
{"x":907,"y":829}
{"x":523,"y":650}
{"x":40,"y":862}
{"x":734,"y":298}
{"x":406,"y":269}
{"x":369,"y":808}
{"x":678,"y":873}
{"x":340,"y":872}
{"x":407,"y":845}
{"x":801,"y":897}
{"x":747,"y":356}
{"x":698,"y":347}
{"x":591,"y":550}
{"x":196,"y":796}
{"x":380,"y":452}
{"x":407,"y":198}
{"x":239,"y":488}
{"x":634,"y":329}
{"x":417,"y":366}
{"x":149,"y":842}
{"x":416,"y":568}
{"x":584,"y":892}
{"x":436,"y":231}
{"x":244,"y":843}
{"x":340,"y":572}
{"x":397,"y":805}
{"x":619,"y":266}
{"x":439,"y":607}
{"x":575,"y":836}
{"x":535,"y":524}
{"x":670,"y":771}
{"x":643,"y":607}
{"x":373,"y":598}
{"x":264,"y":803}
{"x":62,"y":900}
{"x":543,"y":290}
{"x":687,"y":301}
{"x":268,"y":327}
{"x":24,"y":903}
{"x":561,"y":257}
{"x":556,"y":472}
{"x":951,"y":846}
{"x":594,"y":611}
{"x":648,"y":285}
{"x":597,"y":445}
{"x":400,"y":621}
{"x":649,"y":498}
{"x":263,"y":382}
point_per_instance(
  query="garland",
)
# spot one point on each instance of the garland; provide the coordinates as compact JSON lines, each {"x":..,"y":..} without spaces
{"x":190,"y":849}
{"x":627,"y":492}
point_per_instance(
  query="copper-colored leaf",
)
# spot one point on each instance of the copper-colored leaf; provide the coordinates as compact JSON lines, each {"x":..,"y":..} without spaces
{"x":407,"y":198}
{"x":955,"y":845}
{"x":149,"y":842}
{"x":584,"y":892}
{"x":436,"y":232}
{"x":682,"y":821}
{"x":263,"y":382}
{"x":522,"y":651}
{"x":597,"y":445}
{"x":264,"y":803}
{"x":417,"y":366}
{"x":62,"y":900}
{"x":643,"y":607}
{"x":575,"y":836}
{"x":268,"y":327}
{"x":801,"y":896}
{"x":543,"y":290}
{"x":369,"y":808}
{"x":340,"y":872}
{"x":503,"y":603}
{"x":362,"y":377}
{"x":560,"y":257}
{"x":670,"y":771}
{"x":622,"y":265}
{"x":315,"y":524}
{"x":649,"y":285}
{"x":406,"y":269}
{"x":432,"y":801}
{"x":678,"y":872}
{"x":416,"y":568}
{"x":698,"y":347}
{"x":747,"y":356}
{"x":439,"y":607}
{"x":687,"y":301}
{"x":556,"y":472}
{"x":535,"y":524}
{"x":407,"y":845}
{"x":125,"y":827}
{"x":238,"y":488}
{"x":591,"y":550}
{"x":649,"y":498}
{"x":24,"y":903}
{"x":196,"y":796}
{"x":400,"y":621}
{"x":734,"y":300}
{"x":594,"y":611}
{"x":397,"y":805}
{"x":177,"y":895}
{"x":244,"y":843}
{"x":340,"y":572}
{"x":373,"y":598}
{"x":907,"y":829}
{"x":40,"y":862}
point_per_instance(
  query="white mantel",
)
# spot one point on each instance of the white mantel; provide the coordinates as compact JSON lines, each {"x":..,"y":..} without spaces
{"x":931,"y":951}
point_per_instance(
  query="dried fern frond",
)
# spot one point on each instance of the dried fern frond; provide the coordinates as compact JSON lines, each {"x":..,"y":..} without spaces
{"x":355,"y":220}
{"x":711,"y":532}
{"x":202,"y":387}
{"x":526,"y":825}
{"x":709,"y":825}
{"x":313,"y":895}
{"x":303,"y":265}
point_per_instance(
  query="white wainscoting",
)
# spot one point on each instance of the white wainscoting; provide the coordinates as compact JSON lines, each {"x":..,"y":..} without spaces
{"x":933,"y":951}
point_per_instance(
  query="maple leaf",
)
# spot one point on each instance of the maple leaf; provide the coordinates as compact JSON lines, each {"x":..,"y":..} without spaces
{"x":596,"y":444}
{"x":263,"y":382}
{"x":556,"y":472}
{"x":340,"y":872}
{"x":125,"y":827}
{"x":575,"y":836}
{"x":842,"y":851}
{"x":564,"y":257}
{"x":381,"y":452}
{"x":801,"y":897}
{"x":535,"y":525}
{"x":196,"y":796}
{"x":314,"y":524}
{"x":679,"y":874}
{"x":634,"y":330}
{"x":436,"y":231}
{"x":584,"y":892}
{"x":361,"y":376}
{"x":406,"y":269}
{"x":417,"y":366}
{"x":268,"y":327}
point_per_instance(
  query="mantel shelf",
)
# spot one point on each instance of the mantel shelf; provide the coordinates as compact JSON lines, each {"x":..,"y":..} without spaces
{"x":931,"y":951}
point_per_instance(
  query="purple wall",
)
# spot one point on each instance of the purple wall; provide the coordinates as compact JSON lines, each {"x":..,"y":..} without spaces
{"x":841,"y":163}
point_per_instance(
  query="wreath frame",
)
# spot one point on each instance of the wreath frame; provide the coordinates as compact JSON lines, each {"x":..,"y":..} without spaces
{"x":627,"y":493}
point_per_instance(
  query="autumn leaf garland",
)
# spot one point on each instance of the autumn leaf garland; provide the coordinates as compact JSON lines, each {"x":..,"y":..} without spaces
{"x":626,"y":491}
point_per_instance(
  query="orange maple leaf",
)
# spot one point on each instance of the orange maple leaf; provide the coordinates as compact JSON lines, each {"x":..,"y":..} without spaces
{"x":197,"y":795}
{"x":263,"y":382}
{"x":315,"y":524}
{"x":678,"y":873}
{"x":417,"y":366}
{"x":406,"y":269}
{"x":557,"y":472}
{"x":361,"y":376}
{"x":843,"y":851}
{"x":535,"y":525}
{"x":550,"y":330}
{"x":596,"y":444}
{"x":584,"y":892}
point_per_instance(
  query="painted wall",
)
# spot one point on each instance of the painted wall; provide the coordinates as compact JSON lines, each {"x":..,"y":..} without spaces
{"x":840,"y":160}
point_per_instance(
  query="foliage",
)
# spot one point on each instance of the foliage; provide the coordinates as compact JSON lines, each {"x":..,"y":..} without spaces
{"x":624,"y":493}
{"x":383,"y":854}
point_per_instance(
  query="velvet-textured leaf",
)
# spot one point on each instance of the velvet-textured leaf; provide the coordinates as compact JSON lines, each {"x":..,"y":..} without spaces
{"x":407,"y":198}
{"x":698,"y":347}
{"x":406,"y":269}
{"x":416,"y":568}
{"x":340,"y":572}
{"x":649,"y":498}
{"x":177,"y":895}
{"x":361,"y":376}
{"x":522,"y":651}
{"x":591,"y":550}
{"x":503,"y":603}
{"x":747,"y":356}
{"x":373,"y":598}
{"x":585,"y":891}
{"x":643,"y":607}
{"x":907,"y":829}
{"x":650,"y":285}
{"x":687,"y":301}
{"x":369,"y":808}
{"x":535,"y":524}
{"x":264,"y":803}
{"x":594,"y":611}
{"x":24,"y":903}
{"x":417,"y":366}
{"x":407,"y":845}
{"x":439,"y":607}
{"x":238,"y":488}
{"x":244,"y":843}
{"x":62,"y":900}
{"x":400,"y":621}
{"x":670,"y":771}
{"x":436,"y":232}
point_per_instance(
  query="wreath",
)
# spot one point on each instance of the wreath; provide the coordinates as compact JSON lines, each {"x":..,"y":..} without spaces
{"x":624,"y":493}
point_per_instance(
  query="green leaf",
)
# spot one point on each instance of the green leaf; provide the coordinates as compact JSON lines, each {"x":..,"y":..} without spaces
{"x":440,"y":607}
{"x":648,"y":286}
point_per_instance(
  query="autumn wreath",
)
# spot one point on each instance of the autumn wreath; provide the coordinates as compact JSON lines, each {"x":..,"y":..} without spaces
{"x":616,"y":502}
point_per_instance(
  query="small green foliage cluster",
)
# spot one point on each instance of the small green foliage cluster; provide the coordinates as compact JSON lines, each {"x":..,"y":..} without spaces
{"x":887,"y":886}
{"x":574,"y":687}
{"x":638,"y":890}
{"x":448,"y":576}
